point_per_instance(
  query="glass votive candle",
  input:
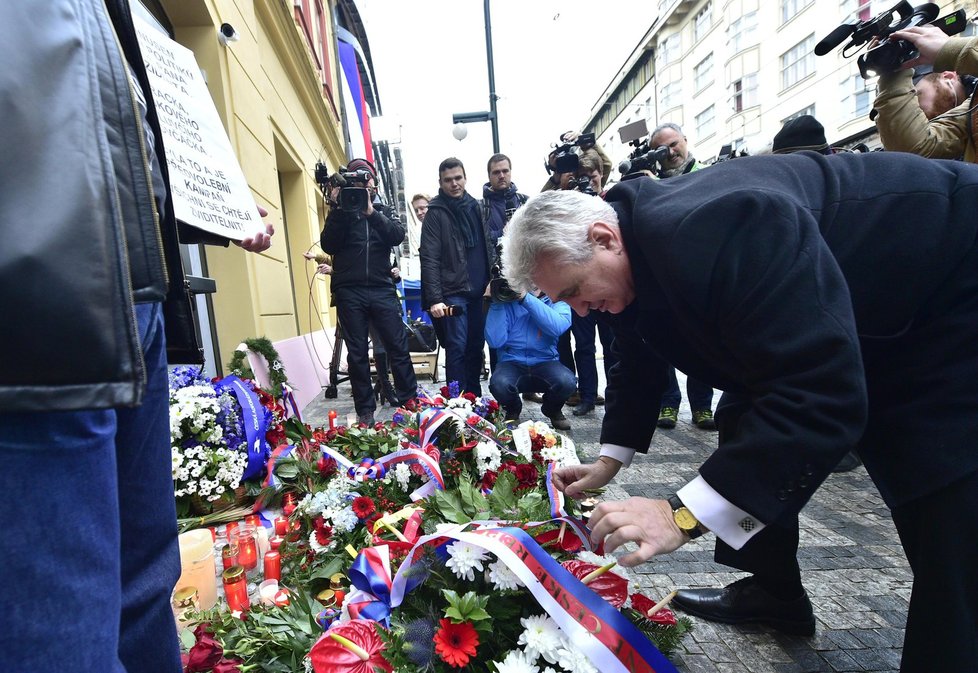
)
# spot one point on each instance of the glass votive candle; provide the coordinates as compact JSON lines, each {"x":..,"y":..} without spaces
{"x":281,"y":525}
{"x":236,"y":589}
{"x":247,"y":547}
{"x":197,"y":565}
{"x":267,"y":591}
{"x":229,"y":555}
{"x":272,"y":565}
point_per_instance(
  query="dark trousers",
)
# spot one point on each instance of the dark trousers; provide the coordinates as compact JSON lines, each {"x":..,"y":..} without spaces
{"x":463,"y":337}
{"x":358,"y":310}
{"x":939,"y":533}
{"x":564,"y":352}
{"x":90,"y":546}
{"x":553,"y":379}
{"x":585,"y":352}
{"x":700,"y":394}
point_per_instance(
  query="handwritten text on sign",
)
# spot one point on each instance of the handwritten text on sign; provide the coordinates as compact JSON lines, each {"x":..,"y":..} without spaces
{"x":209,"y":189}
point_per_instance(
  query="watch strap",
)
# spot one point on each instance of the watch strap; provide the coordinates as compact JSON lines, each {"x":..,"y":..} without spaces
{"x":676,"y":504}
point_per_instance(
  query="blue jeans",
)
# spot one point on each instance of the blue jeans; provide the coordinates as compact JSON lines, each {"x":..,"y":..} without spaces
{"x":510,"y":378}
{"x":700,"y":394}
{"x":463,"y":336}
{"x":585,"y":352}
{"x":90,"y":550}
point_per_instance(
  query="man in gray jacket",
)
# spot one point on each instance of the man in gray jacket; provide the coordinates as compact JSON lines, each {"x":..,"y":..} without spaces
{"x":90,"y":263}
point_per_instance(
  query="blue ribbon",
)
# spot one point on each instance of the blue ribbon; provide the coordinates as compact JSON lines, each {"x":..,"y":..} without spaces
{"x":255,"y":425}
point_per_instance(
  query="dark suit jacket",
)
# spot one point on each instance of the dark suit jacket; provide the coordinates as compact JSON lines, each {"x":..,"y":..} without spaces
{"x":834,"y":299}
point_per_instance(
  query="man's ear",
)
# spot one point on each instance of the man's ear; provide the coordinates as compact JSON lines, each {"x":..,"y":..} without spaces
{"x":606,"y":236}
{"x":949,"y":74}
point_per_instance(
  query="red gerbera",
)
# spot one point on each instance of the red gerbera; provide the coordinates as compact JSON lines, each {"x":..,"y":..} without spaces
{"x":456,"y":643}
{"x":363,"y":507}
{"x":324,"y":535}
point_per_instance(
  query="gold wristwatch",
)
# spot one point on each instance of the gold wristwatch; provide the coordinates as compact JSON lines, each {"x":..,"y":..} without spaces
{"x":685,"y":519}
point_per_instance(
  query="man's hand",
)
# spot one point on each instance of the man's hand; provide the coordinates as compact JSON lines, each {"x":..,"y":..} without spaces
{"x":324,"y":269}
{"x":927,"y":39}
{"x":648,"y":523}
{"x":575,"y":479}
{"x":438,"y":310}
{"x":370,"y":207}
{"x":259,"y":242}
{"x":395,"y":273}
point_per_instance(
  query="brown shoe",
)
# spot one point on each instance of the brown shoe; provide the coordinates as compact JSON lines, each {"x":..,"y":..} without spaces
{"x":574,"y":399}
{"x":533,"y":397}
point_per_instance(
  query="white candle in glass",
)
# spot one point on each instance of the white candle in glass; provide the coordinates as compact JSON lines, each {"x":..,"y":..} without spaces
{"x":197,"y":566}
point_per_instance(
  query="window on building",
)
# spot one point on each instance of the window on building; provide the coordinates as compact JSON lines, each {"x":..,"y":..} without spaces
{"x":705,"y":123}
{"x":702,"y":22}
{"x":810,"y":110}
{"x":743,"y":92}
{"x":670,"y":95}
{"x":856,"y":96}
{"x":856,"y":10}
{"x":792,"y":8}
{"x":703,"y":73}
{"x":798,"y":62}
{"x":742,"y":32}
{"x":669,"y":49}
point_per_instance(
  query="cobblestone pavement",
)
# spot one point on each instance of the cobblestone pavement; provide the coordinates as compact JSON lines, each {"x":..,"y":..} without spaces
{"x":851,"y":559}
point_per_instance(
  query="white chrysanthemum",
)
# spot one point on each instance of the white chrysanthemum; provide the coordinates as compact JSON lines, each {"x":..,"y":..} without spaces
{"x":503,"y":577}
{"x":402,"y":473}
{"x":541,"y":637}
{"x":465,"y":559}
{"x":487,"y":457}
{"x":573,"y":660}
{"x":516,"y":662}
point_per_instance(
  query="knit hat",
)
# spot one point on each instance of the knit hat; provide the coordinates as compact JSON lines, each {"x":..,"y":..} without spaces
{"x":362,"y":165}
{"x":801,"y":133}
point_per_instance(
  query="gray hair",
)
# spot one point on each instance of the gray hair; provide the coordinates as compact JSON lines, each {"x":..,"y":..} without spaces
{"x":553,"y":225}
{"x":662,"y":127}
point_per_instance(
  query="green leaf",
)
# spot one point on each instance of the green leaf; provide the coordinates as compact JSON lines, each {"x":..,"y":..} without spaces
{"x":187,"y":639}
{"x":472,"y":499}
{"x":470,"y":607}
{"x":287,"y":470}
{"x":503,"y":499}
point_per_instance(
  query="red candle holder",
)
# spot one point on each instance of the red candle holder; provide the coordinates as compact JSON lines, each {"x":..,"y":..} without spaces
{"x":273,"y":566}
{"x":254,"y":520}
{"x":229,"y":555}
{"x":276,"y":542}
{"x":288,"y":504}
{"x":332,"y":419}
{"x":281,"y":525}
{"x":247,"y":547}
{"x":236,"y":589}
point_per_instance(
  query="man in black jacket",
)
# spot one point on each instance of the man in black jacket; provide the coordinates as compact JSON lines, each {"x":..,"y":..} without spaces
{"x":773,"y":279}
{"x":456,"y":255}
{"x":362,"y":290}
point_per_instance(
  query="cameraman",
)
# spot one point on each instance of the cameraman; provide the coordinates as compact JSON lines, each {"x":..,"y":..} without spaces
{"x":565,"y":180}
{"x":680,"y":160}
{"x":362,"y":288}
{"x":525,"y":331}
{"x":929,"y":114}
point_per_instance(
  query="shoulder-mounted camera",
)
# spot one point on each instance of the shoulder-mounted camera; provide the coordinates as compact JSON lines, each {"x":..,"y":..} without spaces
{"x":565,"y":157}
{"x":353,"y":195}
{"x":888,"y":54}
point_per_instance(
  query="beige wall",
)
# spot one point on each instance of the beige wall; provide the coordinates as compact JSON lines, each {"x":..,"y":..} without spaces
{"x":269,"y":95}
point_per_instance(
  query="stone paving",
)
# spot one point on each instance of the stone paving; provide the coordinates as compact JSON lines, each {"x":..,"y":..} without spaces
{"x":851,"y":559}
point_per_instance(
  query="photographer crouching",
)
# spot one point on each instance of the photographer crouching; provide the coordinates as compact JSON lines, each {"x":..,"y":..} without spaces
{"x":524,"y":329}
{"x":359,"y":233}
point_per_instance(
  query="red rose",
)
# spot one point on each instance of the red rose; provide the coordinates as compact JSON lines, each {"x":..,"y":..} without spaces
{"x":205,"y":653}
{"x":326,"y":466}
{"x":527,"y":475}
{"x":488,"y":480}
{"x":228,"y":666}
{"x":469,"y":396}
{"x":444,"y":391}
{"x":493,"y":405}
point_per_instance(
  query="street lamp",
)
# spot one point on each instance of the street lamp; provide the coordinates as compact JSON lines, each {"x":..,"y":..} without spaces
{"x":462,"y":118}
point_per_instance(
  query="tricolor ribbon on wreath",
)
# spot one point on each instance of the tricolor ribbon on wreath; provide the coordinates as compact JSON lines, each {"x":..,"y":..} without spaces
{"x":288,"y":400}
{"x":374,"y":468}
{"x":608,"y":638}
{"x":254,"y":421}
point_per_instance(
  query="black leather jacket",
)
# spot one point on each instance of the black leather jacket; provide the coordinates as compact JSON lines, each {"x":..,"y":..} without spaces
{"x":84,"y":237}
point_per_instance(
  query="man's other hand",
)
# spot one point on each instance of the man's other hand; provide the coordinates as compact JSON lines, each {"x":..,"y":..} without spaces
{"x":927,"y":39}
{"x":438,"y":310}
{"x":575,"y":479}
{"x":259,"y":242}
{"x":647,"y":523}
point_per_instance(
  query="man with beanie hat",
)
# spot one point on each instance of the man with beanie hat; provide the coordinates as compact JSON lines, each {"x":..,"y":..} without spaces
{"x":800,"y":134}
{"x":456,"y":255}
{"x":362,"y":289}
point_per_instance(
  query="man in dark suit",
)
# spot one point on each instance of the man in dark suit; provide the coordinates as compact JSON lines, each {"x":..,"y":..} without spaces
{"x":827,"y":297}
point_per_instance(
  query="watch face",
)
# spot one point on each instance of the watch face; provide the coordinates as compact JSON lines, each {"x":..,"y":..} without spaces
{"x":685,"y":519}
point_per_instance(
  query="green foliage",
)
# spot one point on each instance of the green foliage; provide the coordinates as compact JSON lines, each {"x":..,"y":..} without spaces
{"x":276,"y":370}
{"x":665,"y":638}
{"x":468,"y":608}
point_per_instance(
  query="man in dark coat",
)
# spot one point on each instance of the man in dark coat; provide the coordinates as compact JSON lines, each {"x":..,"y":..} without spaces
{"x":835,"y":300}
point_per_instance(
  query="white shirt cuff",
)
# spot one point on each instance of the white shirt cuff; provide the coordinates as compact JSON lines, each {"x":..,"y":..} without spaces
{"x":622,"y":454}
{"x":727,"y":521}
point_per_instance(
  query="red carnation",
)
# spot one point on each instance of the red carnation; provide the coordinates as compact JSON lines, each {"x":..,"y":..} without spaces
{"x":444,"y":391}
{"x":469,"y":396}
{"x":456,"y":643}
{"x":363,"y":507}
{"x":318,"y":523}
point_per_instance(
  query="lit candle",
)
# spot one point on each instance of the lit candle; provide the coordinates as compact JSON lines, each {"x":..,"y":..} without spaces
{"x":229,"y":555}
{"x":288,"y":504}
{"x":276,"y":542}
{"x":230,"y":531}
{"x":273,"y":566}
{"x":247,"y":547}
{"x":281,"y":525}
{"x":332,"y":419}
{"x":253,"y":519}
{"x":267,"y":591}
{"x":236,"y":589}
{"x":197,"y":565}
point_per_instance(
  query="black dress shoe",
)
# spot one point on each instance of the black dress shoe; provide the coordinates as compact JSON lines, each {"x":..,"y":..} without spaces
{"x":745,"y":602}
{"x":583,"y":409}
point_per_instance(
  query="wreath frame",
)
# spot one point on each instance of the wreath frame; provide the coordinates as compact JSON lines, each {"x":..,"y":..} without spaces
{"x":276,"y":370}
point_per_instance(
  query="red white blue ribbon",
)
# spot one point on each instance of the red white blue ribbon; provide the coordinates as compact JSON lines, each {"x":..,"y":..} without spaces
{"x":278,"y":454}
{"x":254,"y":421}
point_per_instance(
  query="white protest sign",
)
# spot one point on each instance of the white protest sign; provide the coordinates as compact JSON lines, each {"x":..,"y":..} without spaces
{"x":209,"y":190}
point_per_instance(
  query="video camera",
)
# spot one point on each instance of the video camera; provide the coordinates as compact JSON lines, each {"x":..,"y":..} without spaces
{"x":566,"y":155}
{"x":642,"y":158}
{"x":888,"y":55}
{"x":499,"y":289}
{"x":353,"y":196}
